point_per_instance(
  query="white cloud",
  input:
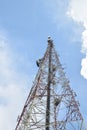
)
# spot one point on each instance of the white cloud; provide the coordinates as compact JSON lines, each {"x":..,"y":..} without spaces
{"x":78,"y":12}
{"x":12,"y":88}
{"x":84,"y":50}
{"x":84,"y":38}
{"x":84,"y":67}
{"x":78,"y":9}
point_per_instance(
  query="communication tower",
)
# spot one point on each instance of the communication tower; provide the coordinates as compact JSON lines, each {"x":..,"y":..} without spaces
{"x":51,"y":103}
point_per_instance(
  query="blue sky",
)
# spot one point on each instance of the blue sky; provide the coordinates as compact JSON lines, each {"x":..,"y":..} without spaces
{"x":24,"y":28}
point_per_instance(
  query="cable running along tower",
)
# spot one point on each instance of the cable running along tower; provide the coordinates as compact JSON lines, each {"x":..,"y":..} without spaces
{"x":51,"y":103}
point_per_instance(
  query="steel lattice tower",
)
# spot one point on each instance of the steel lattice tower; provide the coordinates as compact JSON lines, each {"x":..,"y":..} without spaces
{"x":51,"y":103}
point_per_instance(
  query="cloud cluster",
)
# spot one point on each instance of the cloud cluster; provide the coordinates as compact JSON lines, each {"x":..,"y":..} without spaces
{"x":12,"y":93}
{"x":77,"y":11}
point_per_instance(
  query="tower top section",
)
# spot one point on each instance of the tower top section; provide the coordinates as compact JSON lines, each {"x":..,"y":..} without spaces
{"x":50,"y":41}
